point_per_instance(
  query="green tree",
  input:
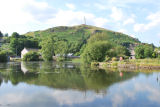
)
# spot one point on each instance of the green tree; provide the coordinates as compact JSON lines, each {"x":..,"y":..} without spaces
{"x":144,"y":51}
{"x":95,"y":51}
{"x":1,"y":34}
{"x":31,"y":56}
{"x":15,"y":35}
{"x":139,"y":52}
{"x":6,"y":34}
{"x":3,"y":57}
{"x":61,"y":47}
{"x":18,"y":42}
{"x":148,"y":51}
{"x":47,"y":49}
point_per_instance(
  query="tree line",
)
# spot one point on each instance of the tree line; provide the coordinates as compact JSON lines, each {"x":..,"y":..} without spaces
{"x":96,"y":48}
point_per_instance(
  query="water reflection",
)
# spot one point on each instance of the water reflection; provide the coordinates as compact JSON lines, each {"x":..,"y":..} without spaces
{"x":71,"y":84}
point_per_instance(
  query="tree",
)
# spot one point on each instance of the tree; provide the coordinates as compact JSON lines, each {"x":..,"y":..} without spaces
{"x":148,"y":51}
{"x":1,"y":34}
{"x":6,"y":34}
{"x":119,"y":51}
{"x":139,"y":52}
{"x":15,"y":35}
{"x":31,"y":56}
{"x":144,"y":51}
{"x":3,"y":57}
{"x":18,"y":42}
{"x":61,"y":47}
{"x":47,"y":49}
{"x":95,"y":51}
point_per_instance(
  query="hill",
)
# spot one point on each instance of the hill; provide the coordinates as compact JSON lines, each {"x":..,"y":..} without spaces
{"x":77,"y":36}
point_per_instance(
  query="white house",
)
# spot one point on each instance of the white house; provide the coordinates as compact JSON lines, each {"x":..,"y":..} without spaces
{"x":26,"y":50}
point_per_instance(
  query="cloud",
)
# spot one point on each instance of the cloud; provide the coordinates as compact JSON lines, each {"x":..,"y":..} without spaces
{"x":51,"y":97}
{"x":69,"y":17}
{"x":100,"y":6}
{"x":139,"y":27}
{"x":116,"y":14}
{"x":71,"y":97}
{"x":15,"y":15}
{"x":40,"y":11}
{"x":117,"y":100}
{"x":129,"y":21}
{"x":154,"y":20}
{"x":71,"y":6}
{"x":123,"y":31}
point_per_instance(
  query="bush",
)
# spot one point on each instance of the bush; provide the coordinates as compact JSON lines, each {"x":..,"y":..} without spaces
{"x":114,"y":59}
{"x":60,"y":59}
{"x":107,"y":58}
{"x":94,"y":64}
{"x":114,"y":64}
{"x":144,"y":51}
{"x":95,"y":52}
{"x":31,"y":56}
{"x":3,"y":57}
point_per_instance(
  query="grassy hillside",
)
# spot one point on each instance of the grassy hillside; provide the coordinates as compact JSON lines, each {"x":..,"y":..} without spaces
{"x":78,"y":35}
{"x":80,"y":32}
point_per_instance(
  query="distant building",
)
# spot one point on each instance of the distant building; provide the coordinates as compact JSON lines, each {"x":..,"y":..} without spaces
{"x":26,"y":50}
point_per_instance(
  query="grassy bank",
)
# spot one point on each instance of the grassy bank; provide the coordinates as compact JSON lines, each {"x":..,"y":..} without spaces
{"x":132,"y":64}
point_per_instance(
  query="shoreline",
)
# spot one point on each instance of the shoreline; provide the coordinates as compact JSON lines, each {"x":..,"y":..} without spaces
{"x":146,"y":64}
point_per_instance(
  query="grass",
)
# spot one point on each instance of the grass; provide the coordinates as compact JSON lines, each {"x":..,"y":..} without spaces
{"x":133,"y":64}
{"x":148,"y":61}
{"x":78,"y":60}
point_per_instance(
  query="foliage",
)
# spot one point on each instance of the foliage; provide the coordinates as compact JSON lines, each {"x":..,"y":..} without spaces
{"x":144,"y":51}
{"x":114,"y":59}
{"x":61,"y":48}
{"x":100,"y":51}
{"x":15,"y":35}
{"x":47,"y":49}
{"x":98,"y":37}
{"x":1,"y":34}
{"x":3,"y":57}
{"x":31,"y":56}
{"x":78,"y":36}
{"x":6,"y":48}
{"x":6,"y":34}
{"x":119,"y":51}
{"x":95,"y":52}
{"x":107,"y":58}
{"x":18,"y":42}
{"x":60,"y":58}
{"x":94,"y":64}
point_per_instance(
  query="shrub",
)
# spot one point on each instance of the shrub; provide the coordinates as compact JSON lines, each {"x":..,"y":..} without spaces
{"x":114,"y":59}
{"x":60,"y":59}
{"x":94,"y":64}
{"x":114,"y":64}
{"x":95,"y":52}
{"x":3,"y":57}
{"x":107,"y":58}
{"x":31,"y":56}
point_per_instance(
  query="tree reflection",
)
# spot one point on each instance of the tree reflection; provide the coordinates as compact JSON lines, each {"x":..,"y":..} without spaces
{"x":63,"y":76}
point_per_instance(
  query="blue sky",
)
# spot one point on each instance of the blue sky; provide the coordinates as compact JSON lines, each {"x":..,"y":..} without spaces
{"x":137,"y":18}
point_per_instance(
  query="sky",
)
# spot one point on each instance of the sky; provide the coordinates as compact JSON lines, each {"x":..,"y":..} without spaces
{"x":137,"y":18}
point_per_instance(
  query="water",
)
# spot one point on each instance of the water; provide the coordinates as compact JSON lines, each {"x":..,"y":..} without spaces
{"x":41,"y":84}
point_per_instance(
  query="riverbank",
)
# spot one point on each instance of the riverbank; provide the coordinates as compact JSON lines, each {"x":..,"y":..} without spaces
{"x":130,"y":64}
